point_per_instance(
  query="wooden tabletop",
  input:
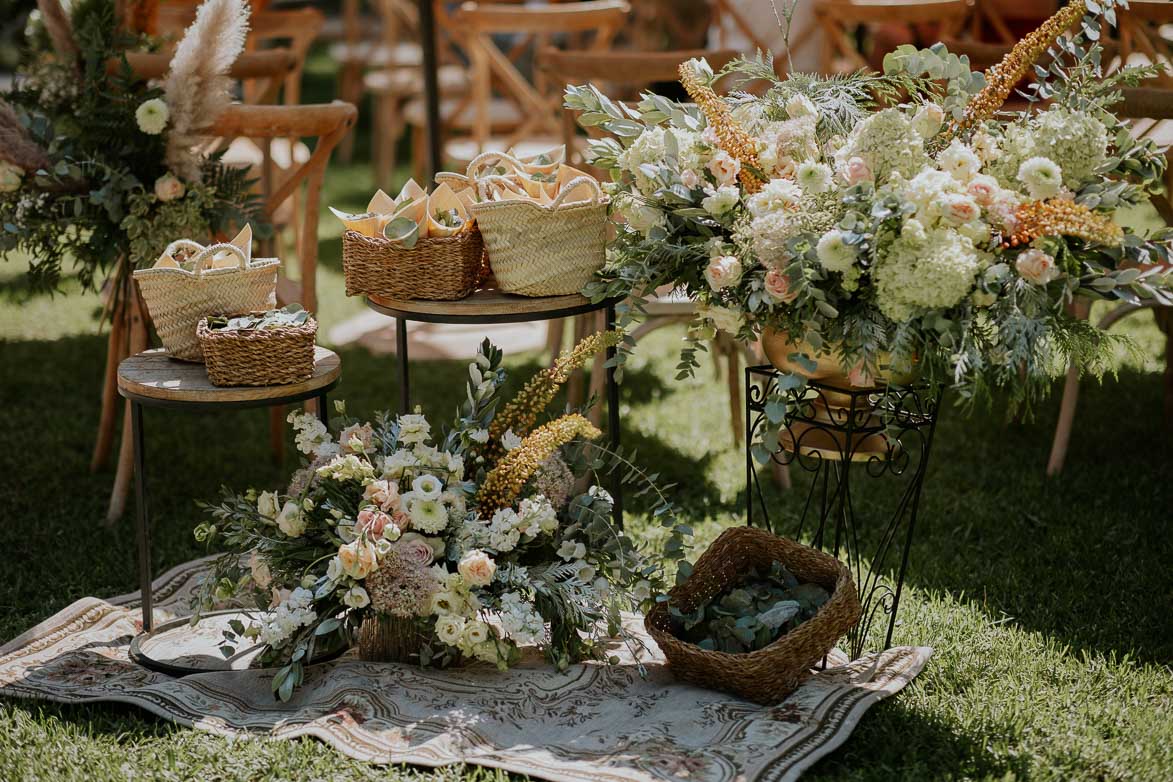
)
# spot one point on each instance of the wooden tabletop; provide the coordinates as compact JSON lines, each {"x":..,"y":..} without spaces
{"x":155,"y":377}
{"x":485,"y":306}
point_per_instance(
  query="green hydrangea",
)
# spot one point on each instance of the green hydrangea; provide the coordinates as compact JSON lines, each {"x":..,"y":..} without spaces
{"x":888,"y":143}
{"x":932,"y":269}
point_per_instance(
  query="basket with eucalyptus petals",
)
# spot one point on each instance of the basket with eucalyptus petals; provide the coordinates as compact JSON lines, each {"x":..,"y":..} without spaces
{"x":259,"y":349}
{"x":436,"y":268}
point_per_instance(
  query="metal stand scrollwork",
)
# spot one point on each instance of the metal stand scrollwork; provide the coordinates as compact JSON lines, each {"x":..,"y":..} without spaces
{"x":834,"y":434}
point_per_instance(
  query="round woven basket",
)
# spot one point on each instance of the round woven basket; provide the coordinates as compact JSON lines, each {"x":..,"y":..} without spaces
{"x":177,"y":298}
{"x":770,"y":674}
{"x":545,"y":250}
{"x":440,"y":269}
{"x":258,"y":357}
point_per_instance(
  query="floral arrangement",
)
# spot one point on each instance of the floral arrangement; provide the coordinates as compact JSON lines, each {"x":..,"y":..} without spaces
{"x":100,"y":168}
{"x":752,"y":615}
{"x":477,"y":540}
{"x":899,"y":222}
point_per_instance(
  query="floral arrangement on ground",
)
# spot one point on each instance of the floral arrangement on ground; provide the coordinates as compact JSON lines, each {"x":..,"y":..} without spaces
{"x":99,"y":168}
{"x":897,"y":221}
{"x":463,"y":545}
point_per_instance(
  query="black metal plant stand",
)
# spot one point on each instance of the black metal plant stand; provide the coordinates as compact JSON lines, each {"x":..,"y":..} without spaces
{"x":838,"y":434}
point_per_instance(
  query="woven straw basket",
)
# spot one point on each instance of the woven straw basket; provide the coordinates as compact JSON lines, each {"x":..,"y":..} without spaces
{"x":178,"y":299}
{"x":258,"y":357}
{"x":770,"y":674}
{"x":439,"y":269}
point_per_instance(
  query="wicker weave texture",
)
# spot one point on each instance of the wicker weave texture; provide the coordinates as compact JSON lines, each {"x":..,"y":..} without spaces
{"x":770,"y":674}
{"x":437,"y":269}
{"x":259,"y":357}
{"x":389,"y":639}
{"x":544,"y":250}
{"x":178,"y":299}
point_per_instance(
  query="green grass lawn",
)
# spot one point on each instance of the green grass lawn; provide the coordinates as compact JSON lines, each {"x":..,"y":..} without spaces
{"x":1049,"y":602}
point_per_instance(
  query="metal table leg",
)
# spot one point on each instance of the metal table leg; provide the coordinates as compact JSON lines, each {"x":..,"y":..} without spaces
{"x":324,"y":410}
{"x":404,"y":372}
{"x":143,"y":530}
{"x":613,"y":420}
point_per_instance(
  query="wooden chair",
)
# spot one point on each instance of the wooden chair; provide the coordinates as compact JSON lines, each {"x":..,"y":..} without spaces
{"x":628,"y":70}
{"x":837,"y":19}
{"x":1145,"y":35}
{"x":128,"y":336}
{"x":1147,"y":104}
{"x":504,"y":108}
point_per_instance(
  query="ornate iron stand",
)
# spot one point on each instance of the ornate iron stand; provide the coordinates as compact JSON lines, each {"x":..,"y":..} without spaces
{"x":835,"y":434}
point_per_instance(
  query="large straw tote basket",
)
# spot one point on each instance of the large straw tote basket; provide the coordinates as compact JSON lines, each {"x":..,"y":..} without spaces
{"x":439,"y":269}
{"x":544,"y":249}
{"x":177,"y":298}
{"x":258,"y":357}
{"x":770,"y":674}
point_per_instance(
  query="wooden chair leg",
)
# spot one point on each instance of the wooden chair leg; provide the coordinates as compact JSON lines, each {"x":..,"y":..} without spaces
{"x":350,"y":89}
{"x":381,"y":141}
{"x":138,"y":338}
{"x":1066,"y":421}
{"x":555,"y":332}
{"x":733,"y":365}
{"x":108,"y":421}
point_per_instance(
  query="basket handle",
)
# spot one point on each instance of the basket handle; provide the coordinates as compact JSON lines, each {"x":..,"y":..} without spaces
{"x":477,"y":163}
{"x":483,"y":186}
{"x":572,"y":185}
{"x":204,"y":256}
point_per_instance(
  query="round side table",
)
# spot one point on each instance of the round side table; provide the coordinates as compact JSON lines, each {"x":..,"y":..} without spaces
{"x":489,"y":307}
{"x":154,"y":379}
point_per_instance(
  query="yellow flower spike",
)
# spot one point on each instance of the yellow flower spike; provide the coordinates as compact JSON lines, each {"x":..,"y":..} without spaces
{"x":1057,"y":217}
{"x":1014,"y":67}
{"x":519,"y":415}
{"x":733,"y":138}
{"x":504,"y":482}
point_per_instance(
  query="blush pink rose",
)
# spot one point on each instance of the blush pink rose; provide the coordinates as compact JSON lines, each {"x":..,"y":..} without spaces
{"x":415,"y":550}
{"x":168,"y":188}
{"x":477,"y":568}
{"x":1037,"y":267}
{"x":385,"y":494}
{"x":372,"y":522}
{"x":778,"y":286}
{"x":357,"y":558}
{"x":364,"y":434}
{"x":857,"y":171}
{"x":961,"y":209}
{"x":690,"y":179}
{"x":723,"y":272}
{"x":983,"y":190}
{"x":725,"y":168}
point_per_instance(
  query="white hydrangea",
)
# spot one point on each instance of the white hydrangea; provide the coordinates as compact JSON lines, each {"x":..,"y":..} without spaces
{"x":1076,"y":138}
{"x":769,"y":233}
{"x":279,"y":625}
{"x":887,"y":143}
{"x":1042,"y":177}
{"x":536,"y":515}
{"x":647,"y":148}
{"x":834,"y":253}
{"x":777,"y":195}
{"x":936,"y":272}
{"x":504,"y":534}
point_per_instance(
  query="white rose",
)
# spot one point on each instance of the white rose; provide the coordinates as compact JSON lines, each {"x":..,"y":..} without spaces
{"x":10,"y":176}
{"x":800,"y":106}
{"x":724,"y":168}
{"x":169,"y":188}
{"x":959,"y":209}
{"x":724,"y":318}
{"x":476,"y":632}
{"x":356,"y":597}
{"x":1037,"y":267}
{"x":152,"y":116}
{"x":267,"y":505}
{"x":290,"y":520}
{"x":641,"y":216}
{"x":449,"y":629}
{"x":477,"y":568}
{"x":928,"y":120}
{"x":723,"y":272}
{"x":721,"y":200}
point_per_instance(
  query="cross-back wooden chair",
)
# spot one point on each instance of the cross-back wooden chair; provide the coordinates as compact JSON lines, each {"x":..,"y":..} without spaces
{"x":1144,"y":32}
{"x":837,"y":19}
{"x":1144,"y":103}
{"x":631,"y":71}
{"x":504,"y":107}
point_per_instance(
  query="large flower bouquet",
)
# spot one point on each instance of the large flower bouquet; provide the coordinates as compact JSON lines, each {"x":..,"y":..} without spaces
{"x":468,"y":543}
{"x":99,"y":168}
{"x":896,"y":221}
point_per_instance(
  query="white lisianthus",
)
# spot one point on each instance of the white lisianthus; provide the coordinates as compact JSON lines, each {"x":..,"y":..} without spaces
{"x":152,"y":116}
{"x":928,"y":120}
{"x":834,"y":253}
{"x":427,"y":487}
{"x":450,"y":628}
{"x":475,"y":632}
{"x":413,"y":428}
{"x":1037,"y":267}
{"x":641,"y":216}
{"x":571,"y":549}
{"x":1042,"y":176}
{"x":724,"y":168}
{"x":334,"y":569}
{"x":480,"y":436}
{"x":268,"y":505}
{"x":642,"y":591}
{"x":778,"y":195}
{"x":584,"y":571}
{"x":959,"y":161}
{"x":395,"y":464}
{"x":10,"y":176}
{"x":290,"y":520}
{"x":477,"y":568}
{"x":801,"y":106}
{"x":721,"y":200}
{"x":723,"y":271}
{"x":814,"y":177}
{"x":509,"y":440}
{"x":356,"y":597}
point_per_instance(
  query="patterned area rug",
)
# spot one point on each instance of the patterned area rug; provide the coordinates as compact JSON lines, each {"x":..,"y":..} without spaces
{"x":593,"y":723}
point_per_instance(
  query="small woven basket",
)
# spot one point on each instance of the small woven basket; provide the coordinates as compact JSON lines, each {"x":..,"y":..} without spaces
{"x":258,"y":357}
{"x":545,"y":250}
{"x":439,"y":269}
{"x":177,"y":299}
{"x":770,"y":674}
